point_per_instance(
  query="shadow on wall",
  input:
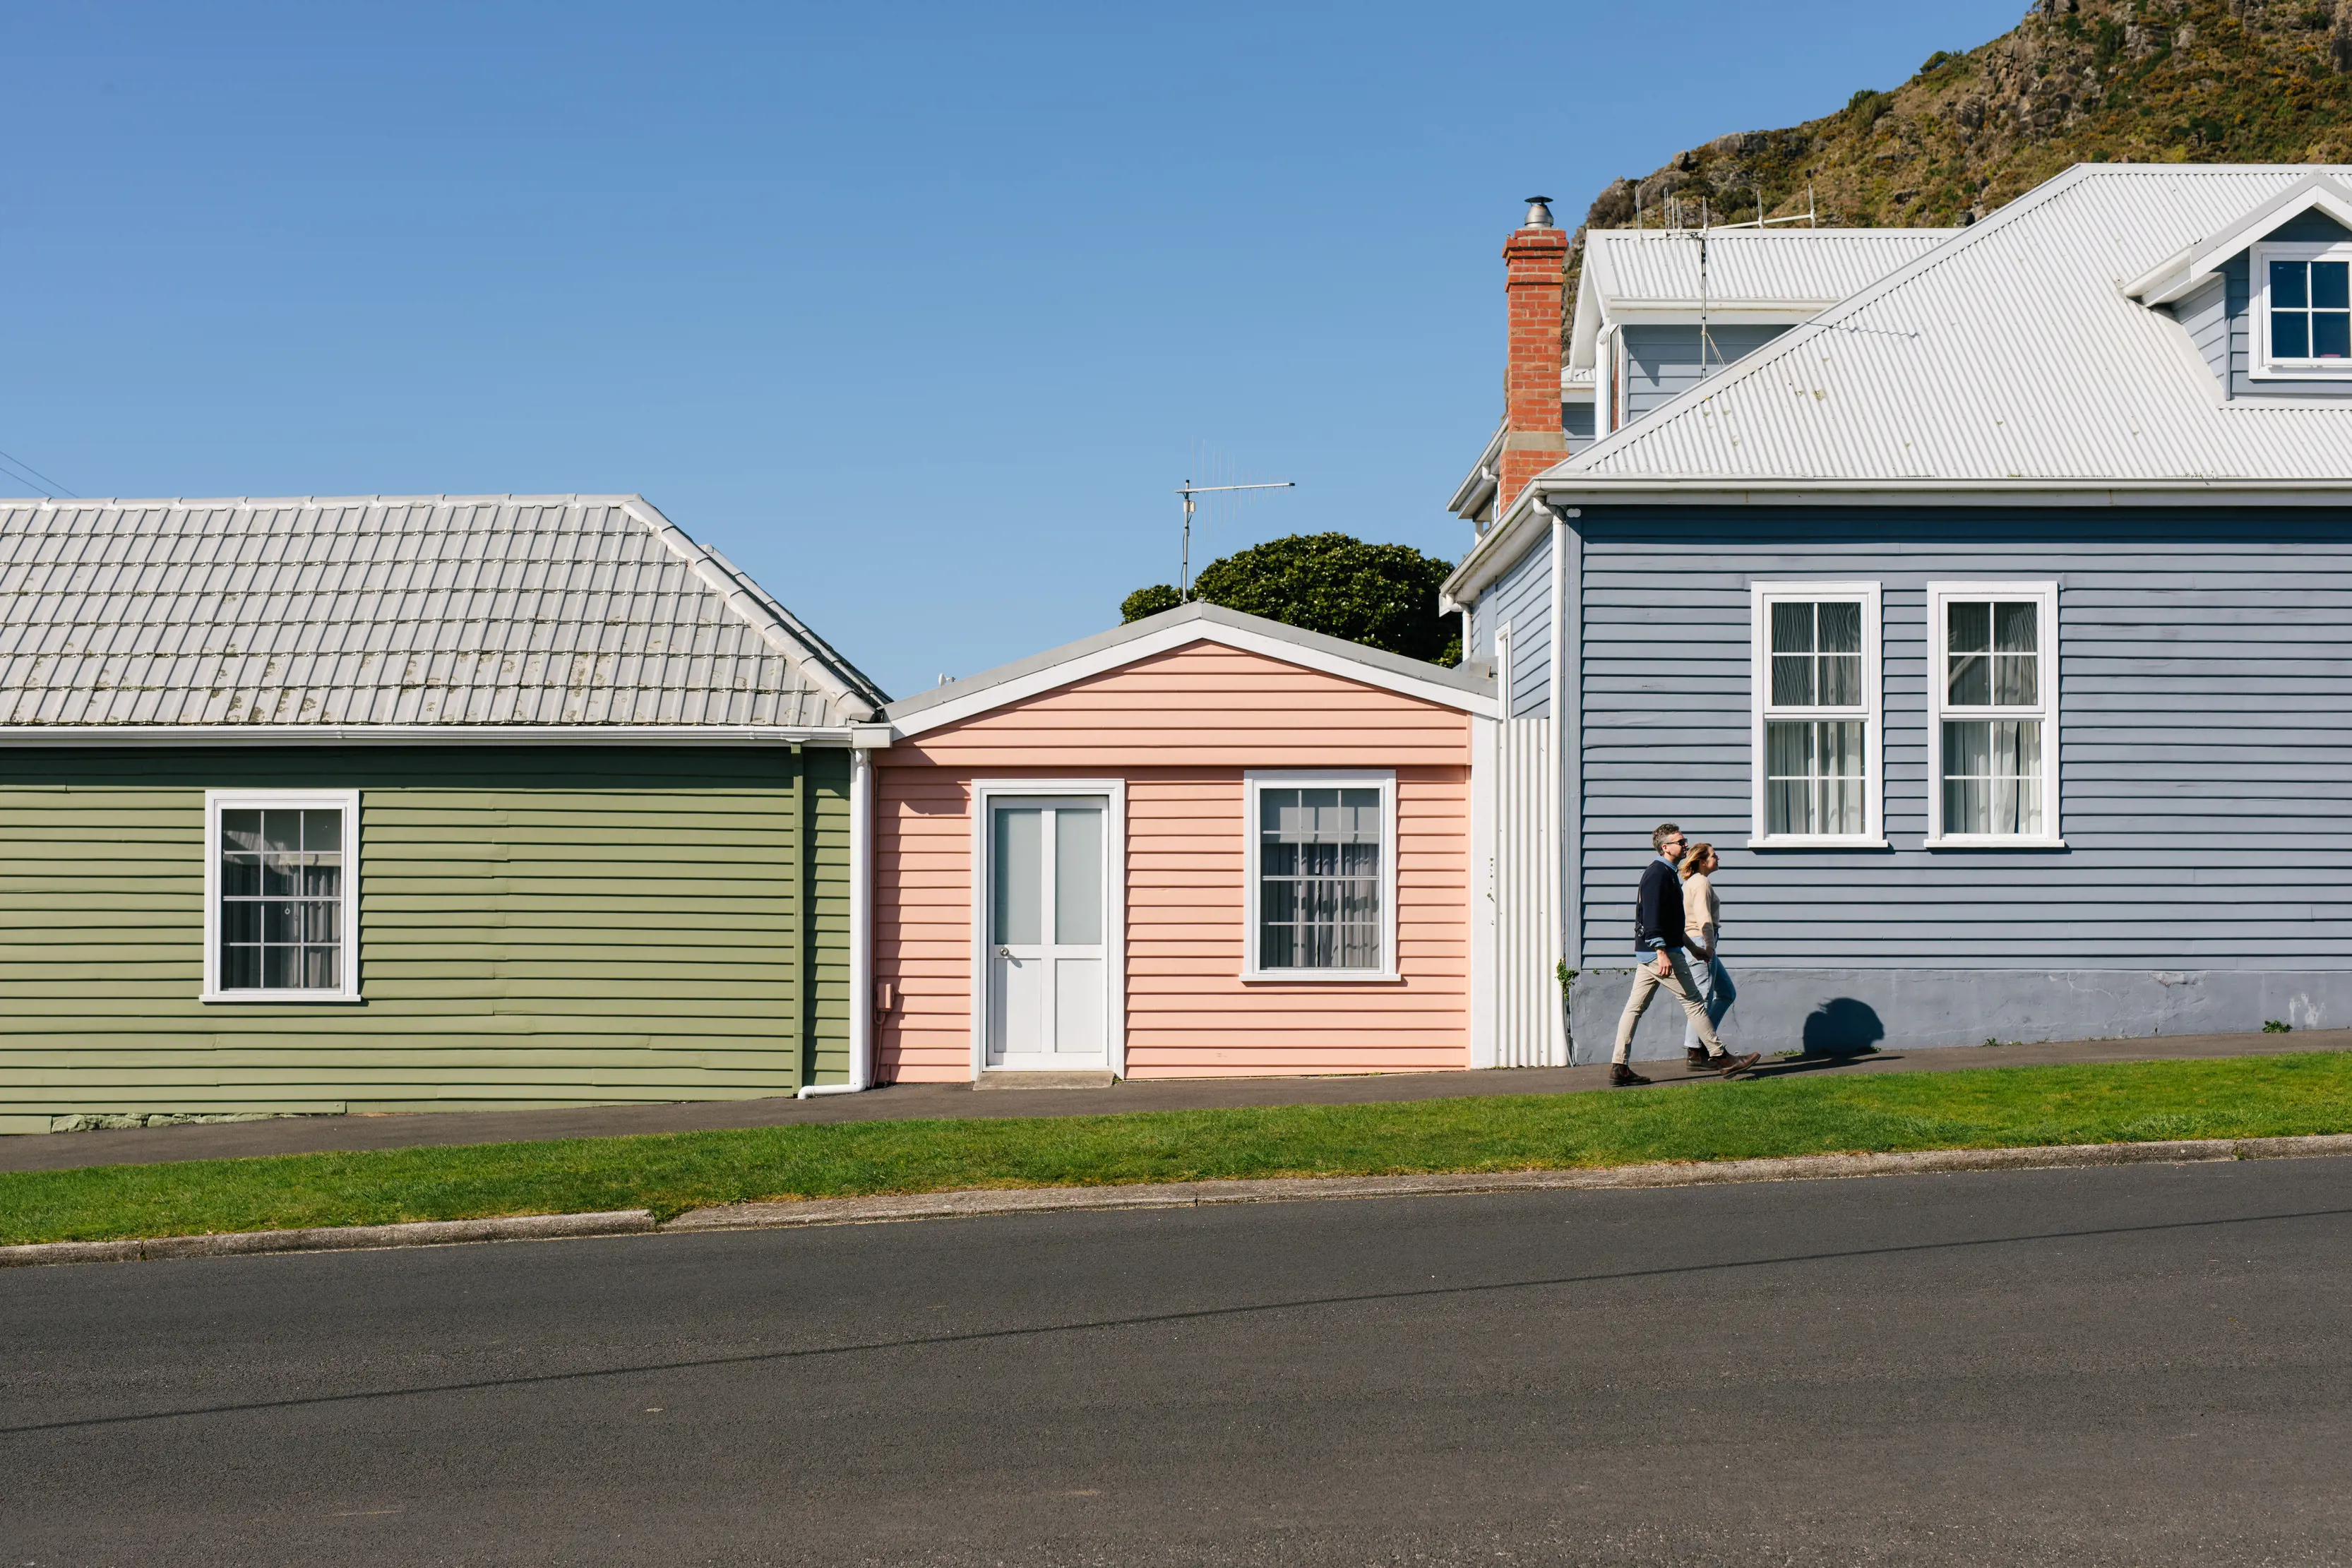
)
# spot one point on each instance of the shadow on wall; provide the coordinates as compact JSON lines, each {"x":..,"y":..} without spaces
{"x":1843,"y":1026}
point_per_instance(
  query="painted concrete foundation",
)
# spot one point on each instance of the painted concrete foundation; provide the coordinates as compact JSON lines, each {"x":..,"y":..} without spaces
{"x":1842,"y":1009}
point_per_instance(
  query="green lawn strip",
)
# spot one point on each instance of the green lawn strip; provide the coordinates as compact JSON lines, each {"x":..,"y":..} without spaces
{"x":1985,"y":1108}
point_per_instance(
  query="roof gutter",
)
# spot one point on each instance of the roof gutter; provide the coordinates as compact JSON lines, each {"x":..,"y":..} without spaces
{"x":1565,"y":495}
{"x":1471,"y":495}
{"x":417,"y":735}
{"x":1496,"y":548}
{"x":2092,"y":492}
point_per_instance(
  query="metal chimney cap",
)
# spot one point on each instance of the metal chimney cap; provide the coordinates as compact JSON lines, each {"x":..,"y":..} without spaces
{"x":1539,"y":212}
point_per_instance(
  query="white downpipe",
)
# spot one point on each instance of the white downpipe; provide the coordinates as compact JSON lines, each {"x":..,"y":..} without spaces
{"x":861,"y":932}
{"x":1558,"y":1045}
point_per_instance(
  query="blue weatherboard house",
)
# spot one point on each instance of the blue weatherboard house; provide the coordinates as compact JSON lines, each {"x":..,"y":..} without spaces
{"x":1995,"y":623}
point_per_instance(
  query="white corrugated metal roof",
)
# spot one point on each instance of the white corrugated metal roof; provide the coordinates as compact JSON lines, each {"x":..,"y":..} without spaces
{"x":2008,"y":356}
{"x":1794,"y":269}
{"x":375,"y":611}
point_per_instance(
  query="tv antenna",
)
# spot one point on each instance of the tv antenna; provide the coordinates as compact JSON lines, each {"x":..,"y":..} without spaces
{"x":1188,"y":490}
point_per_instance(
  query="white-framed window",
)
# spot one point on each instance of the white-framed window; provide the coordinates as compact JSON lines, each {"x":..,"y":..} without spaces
{"x":281,"y":895}
{"x":1993,"y":715}
{"x":1321,"y":875}
{"x":1817,"y":712}
{"x":2303,"y":310}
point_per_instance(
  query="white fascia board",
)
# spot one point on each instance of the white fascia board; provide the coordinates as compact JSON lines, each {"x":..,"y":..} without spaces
{"x":1496,"y":548}
{"x":2185,"y":270}
{"x":1571,"y":489}
{"x":1480,"y":481}
{"x":1585,"y":319}
{"x":414,"y":735}
{"x":1166,"y":640}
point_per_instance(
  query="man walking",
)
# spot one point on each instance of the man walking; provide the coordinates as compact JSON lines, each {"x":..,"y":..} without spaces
{"x":1659,"y":941}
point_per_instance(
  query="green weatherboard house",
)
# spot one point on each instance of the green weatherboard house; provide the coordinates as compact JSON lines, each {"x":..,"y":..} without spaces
{"x":397,"y":803}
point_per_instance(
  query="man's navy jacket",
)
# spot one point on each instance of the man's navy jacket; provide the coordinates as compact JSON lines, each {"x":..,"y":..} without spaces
{"x":1658,"y":909}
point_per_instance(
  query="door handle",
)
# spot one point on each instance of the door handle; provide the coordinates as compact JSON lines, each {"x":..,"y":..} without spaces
{"x":1004,"y":952}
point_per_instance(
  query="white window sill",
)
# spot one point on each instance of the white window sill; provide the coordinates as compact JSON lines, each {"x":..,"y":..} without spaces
{"x":2311,"y":370}
{"x":1318,"y":977}
{"x":1789,"y":843}
{"x":287,"y":994}
{"x":1992,"y":842}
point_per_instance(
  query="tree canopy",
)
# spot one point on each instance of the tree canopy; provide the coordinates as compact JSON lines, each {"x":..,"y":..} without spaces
{"x":1384,"y":596}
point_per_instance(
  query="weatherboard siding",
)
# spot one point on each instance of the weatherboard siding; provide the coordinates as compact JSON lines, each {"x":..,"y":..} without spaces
{"x":2206,"y":316}
{"x":1577,"y":420}
{"x":1664,"y":363}
{"x":1180,"y":728}
{"x":1521,"y":599}
{"x":541,"y":925}
{"x":2205,"y":747}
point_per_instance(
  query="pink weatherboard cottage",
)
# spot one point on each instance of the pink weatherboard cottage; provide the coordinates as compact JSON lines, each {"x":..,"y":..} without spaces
{"x":1203,"y":844}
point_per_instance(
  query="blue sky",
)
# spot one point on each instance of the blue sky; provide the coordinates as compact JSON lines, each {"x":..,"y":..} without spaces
{"x":918,"y":312}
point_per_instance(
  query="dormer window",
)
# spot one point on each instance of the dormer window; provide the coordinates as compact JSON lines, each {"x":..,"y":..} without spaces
{"x":2304,"y":309}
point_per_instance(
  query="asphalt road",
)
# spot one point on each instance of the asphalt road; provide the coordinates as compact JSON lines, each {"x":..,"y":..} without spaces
{"x":2126,"y":1365}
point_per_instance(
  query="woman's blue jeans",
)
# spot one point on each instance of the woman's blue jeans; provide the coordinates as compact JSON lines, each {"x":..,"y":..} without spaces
{"x":1717,"y":992}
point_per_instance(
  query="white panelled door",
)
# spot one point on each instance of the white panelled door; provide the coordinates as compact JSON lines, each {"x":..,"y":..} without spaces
{"x":1047,"y":966}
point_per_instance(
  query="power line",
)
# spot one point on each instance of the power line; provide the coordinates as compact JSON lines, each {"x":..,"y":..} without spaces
{"x":39,"y":479}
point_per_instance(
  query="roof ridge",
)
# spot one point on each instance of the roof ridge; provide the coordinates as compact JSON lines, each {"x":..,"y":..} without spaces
{"x":781,"y":629}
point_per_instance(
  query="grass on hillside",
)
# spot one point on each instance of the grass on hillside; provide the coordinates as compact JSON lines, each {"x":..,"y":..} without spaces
{"x":1994,"y":1107}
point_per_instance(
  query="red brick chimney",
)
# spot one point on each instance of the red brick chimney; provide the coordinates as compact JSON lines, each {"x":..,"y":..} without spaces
{"x":1535,"y":282}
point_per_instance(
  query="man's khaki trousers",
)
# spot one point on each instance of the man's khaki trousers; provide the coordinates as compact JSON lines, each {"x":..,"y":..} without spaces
{"x":1646,"y":981}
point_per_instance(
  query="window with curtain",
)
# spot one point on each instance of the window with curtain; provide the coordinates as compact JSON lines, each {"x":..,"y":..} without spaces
{"x":1816,"y":719}
{"x":1319,"y":875}
{"x":280,"y":920}
{"x":1993,"y":725}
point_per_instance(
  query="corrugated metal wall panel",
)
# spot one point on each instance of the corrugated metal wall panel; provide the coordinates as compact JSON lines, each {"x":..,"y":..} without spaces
{"x":1526,"y":996}
{"x":2204,"y":660}
{"x":541,"y":926}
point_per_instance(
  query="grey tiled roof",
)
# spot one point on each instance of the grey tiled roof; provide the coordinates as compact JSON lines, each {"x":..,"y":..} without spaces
{"x":365,"y":611}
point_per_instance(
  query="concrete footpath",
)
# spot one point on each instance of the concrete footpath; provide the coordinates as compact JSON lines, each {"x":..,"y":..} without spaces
{"x":326,"y":1134}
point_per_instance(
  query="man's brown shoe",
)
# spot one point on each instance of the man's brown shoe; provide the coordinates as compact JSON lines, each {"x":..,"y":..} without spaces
{"x":1729,"y":1064}
{"x":1695,"y":1058}
{"x":1623,"y":1077}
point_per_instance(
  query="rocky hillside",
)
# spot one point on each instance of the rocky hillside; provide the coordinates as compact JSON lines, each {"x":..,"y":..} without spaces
{"x":2076,"y":82}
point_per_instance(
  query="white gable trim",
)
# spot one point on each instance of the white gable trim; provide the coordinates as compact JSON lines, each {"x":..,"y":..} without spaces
{"x":1167,"y":639}
{"x":2187,"y":271}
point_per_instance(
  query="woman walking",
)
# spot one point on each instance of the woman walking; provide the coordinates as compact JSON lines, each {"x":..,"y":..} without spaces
{"x":1703,"y":920}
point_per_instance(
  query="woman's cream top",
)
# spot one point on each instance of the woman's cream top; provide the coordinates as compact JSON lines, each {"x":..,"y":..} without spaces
{"x":1702,"y":915}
